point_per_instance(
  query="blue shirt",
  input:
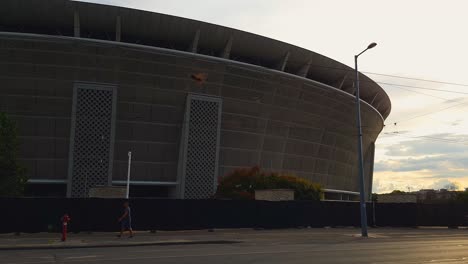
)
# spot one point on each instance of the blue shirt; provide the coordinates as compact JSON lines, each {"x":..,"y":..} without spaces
{"x":128,"y":217}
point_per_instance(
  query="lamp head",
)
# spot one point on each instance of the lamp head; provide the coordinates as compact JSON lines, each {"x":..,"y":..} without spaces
{"x":373,"y":44}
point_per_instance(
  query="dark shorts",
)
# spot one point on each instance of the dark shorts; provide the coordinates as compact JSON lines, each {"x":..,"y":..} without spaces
{"x":126,"y":224}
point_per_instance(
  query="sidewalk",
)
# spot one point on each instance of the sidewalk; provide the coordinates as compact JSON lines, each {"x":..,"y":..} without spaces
{"x":26,"y":241}
{"x":317,"y":236}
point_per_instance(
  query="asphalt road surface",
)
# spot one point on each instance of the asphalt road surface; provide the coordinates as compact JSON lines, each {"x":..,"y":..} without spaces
{"x":287,"y":246}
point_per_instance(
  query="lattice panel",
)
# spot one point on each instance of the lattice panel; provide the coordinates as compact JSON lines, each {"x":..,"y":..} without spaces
{"x":92,"y":140}
{"x":202,"y":148}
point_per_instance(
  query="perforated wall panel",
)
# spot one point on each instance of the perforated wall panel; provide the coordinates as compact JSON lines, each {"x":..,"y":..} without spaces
{"x":91,"y":138}
{"x":201,"y":147}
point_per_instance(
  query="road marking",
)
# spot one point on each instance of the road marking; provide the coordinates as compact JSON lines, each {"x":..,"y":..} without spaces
{"x":154,"y":250}
{"x":446,"y":260}
{"x":72,"y":258}
{"x":194,"y":255}
{"x":453,"y":260}
{"x":82,"y":257}
{"x":32,"y":262}
{"x":162,"y":257}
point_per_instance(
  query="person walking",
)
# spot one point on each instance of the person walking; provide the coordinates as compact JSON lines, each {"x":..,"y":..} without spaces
{"x":126,"y":220}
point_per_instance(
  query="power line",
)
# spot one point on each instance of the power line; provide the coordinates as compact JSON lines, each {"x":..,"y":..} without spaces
{"x":401,"y":86}
{"x":400,"y":77}
{"x":346,"y":69}
{"x":417,"y":79}
{"x":435,"y":139}
{"x":429,"y":113}
{"x":438,"y":120}
{"x":409,"y":90}
{"x":425,"y":137}
{"x":424,"y":88}
{"x":426,"y":114}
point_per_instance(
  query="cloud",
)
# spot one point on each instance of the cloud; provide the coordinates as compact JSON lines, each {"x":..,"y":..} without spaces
{"x":409,"y":164}
{"x":446,"y":184}
{"x":443,"y":143}
{"x":455,"y":100}
{"x":423,"y":163}
{"x":379,"y":186}
{"x":456,"y":122}
{"x":388,"y":181}
{"x":441,"y":165}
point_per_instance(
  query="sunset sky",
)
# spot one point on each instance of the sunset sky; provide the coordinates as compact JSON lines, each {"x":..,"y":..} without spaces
{"x":420,"y":39}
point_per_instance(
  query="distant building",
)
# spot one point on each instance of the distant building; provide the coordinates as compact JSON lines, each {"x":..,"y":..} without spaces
{"x":435,"y":196}
{"x":421,"y":196}
{"x":397,"y":198}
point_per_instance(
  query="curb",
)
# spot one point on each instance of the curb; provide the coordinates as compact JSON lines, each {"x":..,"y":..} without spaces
{"x":138,"y":244}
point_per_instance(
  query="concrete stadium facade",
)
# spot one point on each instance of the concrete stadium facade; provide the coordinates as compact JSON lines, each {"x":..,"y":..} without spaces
{"x":87,"y":83}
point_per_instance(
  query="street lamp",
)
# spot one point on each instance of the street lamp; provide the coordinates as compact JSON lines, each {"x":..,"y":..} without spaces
{"x":361,"y":165}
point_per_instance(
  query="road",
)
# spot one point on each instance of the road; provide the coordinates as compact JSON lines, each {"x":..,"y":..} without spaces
{"x":286,"y":246}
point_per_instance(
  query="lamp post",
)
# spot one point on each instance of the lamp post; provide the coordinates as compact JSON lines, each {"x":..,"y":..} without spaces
{"x":361,"y":164}
{"x":127,"y":194}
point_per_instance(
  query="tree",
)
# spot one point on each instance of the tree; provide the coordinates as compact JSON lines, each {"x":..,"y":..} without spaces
{"x":462,"y":197}
{"x":12,"y":174}
{"x":452,"y":186}
{"x":241,"y":184}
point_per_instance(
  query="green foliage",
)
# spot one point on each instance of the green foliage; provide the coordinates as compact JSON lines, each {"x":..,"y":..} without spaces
{"x":12,"y":175}
{"x":375,"y":197}
{"x":462,"y":197}
{"x":397,"y":192}
{"x":242,"y":183}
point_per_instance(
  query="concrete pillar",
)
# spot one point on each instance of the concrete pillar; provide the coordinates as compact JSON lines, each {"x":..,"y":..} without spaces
{"x":340,"y":86}
{"x":118,"y":29}
{"x":194,"y":46}
{"x":282,"y":65}
{"x":76,"y":24}
{"x":227,"y":49}
{"x":375,"y":97}
{"x":305,"y":69}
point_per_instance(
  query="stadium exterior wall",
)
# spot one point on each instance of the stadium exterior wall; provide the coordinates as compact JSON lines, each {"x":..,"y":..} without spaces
{"x":271,"y":118}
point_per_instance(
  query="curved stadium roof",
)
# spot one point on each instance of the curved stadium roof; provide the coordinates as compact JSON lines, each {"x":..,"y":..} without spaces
{"x":56,"y":17}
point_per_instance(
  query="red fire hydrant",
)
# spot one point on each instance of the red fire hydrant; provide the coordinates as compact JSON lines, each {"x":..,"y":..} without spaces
{"x":65,"y":219}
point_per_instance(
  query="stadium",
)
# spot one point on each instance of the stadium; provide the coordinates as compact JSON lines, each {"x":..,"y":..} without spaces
{"x":87,"y":83}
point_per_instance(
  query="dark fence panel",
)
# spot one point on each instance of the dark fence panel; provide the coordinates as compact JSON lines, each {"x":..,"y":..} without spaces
{"x":342,"y":214}
{"x":442,"y":214}
{"x":396,"y":215}
{"x":43,"y":214}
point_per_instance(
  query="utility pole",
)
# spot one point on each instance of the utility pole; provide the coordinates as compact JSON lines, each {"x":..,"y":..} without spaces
{"x":128,"y":173}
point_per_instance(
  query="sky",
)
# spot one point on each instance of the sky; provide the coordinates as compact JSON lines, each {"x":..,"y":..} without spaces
{"x":425,"y":141}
